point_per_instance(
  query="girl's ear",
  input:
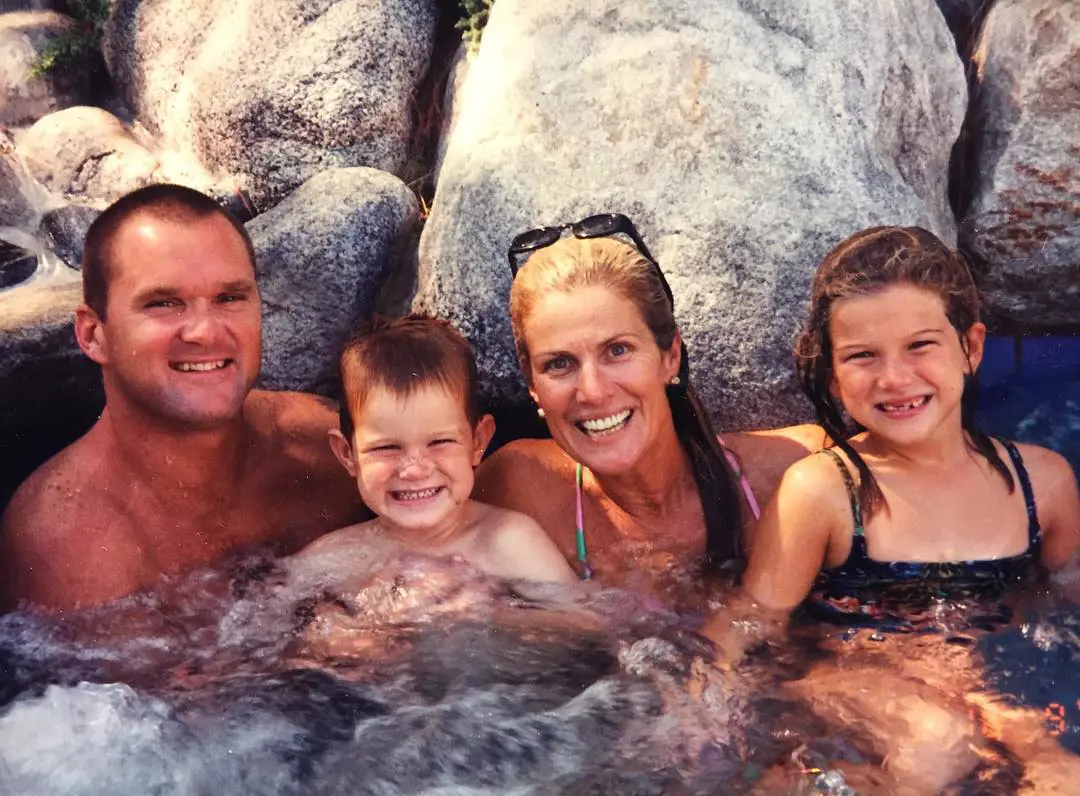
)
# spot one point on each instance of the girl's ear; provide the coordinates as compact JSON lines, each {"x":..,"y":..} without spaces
{"x":975,"y":338}
{"x":482,"y":434}
{"x":342,"y":451}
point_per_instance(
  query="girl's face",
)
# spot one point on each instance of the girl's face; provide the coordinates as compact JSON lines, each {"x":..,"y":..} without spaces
{"x":898,"y":364}
{"x":597,"y":373}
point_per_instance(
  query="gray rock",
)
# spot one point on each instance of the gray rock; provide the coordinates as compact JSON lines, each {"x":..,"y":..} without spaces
{"x":51,"y":393}
{"x":16,"y":207}
{"x":1023,"y":223}
{"x":274,"y":91}
{"x":86,"y":152}
{"x":744,"y":137}
{"x":25,"y":98}
{"x":324,"y":254}
{"x":451,"y":107}
{"x":65,"y":230}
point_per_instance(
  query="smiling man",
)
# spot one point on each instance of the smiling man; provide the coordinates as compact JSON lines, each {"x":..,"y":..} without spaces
{"x":187,"y":461}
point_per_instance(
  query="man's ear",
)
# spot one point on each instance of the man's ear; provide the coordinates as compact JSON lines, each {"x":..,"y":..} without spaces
{"x":975,"y":337}
{"x":90,"y":334}
{"x":482,"y":434}
{"x":342,"y":450}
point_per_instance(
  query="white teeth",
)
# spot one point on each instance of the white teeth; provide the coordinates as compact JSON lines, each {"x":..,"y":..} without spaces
{"x":909,"y":405}
{"x":605,"y":423}
{"x":417,"y":494}
{"x":187,"y":367}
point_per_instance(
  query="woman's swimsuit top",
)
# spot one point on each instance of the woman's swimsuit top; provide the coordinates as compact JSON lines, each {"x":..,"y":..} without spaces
{"x":859,"y":589}
{"x":579,"y":517}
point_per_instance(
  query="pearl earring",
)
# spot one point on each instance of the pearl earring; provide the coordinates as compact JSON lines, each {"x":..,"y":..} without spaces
{"x":540,"y":411}
{"x":675,"y":381}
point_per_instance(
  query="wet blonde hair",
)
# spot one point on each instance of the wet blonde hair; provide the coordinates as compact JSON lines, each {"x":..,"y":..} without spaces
{"x":571,"y":263}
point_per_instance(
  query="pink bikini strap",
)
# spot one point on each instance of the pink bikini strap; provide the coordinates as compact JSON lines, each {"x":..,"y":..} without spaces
{"x":736,"y":467}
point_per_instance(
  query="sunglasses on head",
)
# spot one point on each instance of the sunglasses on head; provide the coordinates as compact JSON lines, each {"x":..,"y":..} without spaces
{"x":600,"y":226}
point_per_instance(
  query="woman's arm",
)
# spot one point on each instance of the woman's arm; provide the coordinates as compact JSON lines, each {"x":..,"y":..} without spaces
{"x":793,"y":537}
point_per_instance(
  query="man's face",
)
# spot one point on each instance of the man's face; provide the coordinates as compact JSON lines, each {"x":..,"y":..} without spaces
{"x":181,"y":342}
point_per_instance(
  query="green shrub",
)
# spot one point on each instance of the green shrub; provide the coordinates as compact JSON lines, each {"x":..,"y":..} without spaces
{"x":473,"y":22}
{"x":72,"y":45}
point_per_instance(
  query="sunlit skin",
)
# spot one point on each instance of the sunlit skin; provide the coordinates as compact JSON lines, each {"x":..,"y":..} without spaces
{"x":413,"y":458}
{"x":180,"y":341}
{"x":187,"y":463}
{"x":899,"y":369}
{"x":599,"y":376}
{"x":405,"y":447}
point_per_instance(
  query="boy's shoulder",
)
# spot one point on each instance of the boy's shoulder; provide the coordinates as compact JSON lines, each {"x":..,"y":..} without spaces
{"x":495,"y":525}
{"x":361,"y":535}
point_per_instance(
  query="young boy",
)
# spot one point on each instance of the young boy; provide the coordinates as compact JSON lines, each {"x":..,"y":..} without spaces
{"x":411,"y":435}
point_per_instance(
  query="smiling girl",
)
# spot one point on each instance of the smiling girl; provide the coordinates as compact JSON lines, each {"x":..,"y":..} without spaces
{"x":913,"y":495}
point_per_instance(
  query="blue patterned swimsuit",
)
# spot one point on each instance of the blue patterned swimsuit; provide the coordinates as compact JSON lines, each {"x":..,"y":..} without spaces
{"x":896,"y":595}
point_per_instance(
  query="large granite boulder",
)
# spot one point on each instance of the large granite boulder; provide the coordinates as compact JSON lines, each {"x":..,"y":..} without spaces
{"x":25,"y":95}
{"x":745,"y":138}
{"x":87,"y":152}
{"x":1023,"y":223}
{"x":274,"y":91}
{"x":325,"y":255}
{"x":16,"y":192}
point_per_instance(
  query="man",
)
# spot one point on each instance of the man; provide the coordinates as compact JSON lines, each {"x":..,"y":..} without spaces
{"x":187,"y":462}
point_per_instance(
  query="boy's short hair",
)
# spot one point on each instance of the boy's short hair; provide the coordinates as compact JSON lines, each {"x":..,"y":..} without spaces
{"x":404,"y":355}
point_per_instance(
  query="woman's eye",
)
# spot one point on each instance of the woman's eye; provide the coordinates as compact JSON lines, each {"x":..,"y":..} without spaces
{"x":556,"y":364}
{"x":618,"y":349}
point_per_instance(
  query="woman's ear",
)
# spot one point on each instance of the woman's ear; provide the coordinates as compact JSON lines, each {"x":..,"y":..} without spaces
{"x":975,"y":342}
{"x":671,"y":358}
{"x":482,"y":434}
{"x":342,"y":451}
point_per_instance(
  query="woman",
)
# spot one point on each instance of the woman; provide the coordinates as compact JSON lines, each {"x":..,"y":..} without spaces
{"x":632,"y":453}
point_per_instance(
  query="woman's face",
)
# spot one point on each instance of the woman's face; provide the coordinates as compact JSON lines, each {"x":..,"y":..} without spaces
{"x":898,"y":364}
{"x":599,"y":376}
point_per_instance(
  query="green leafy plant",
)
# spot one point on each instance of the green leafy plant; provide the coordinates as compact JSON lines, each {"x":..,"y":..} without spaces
{"x":71,"y":46}
{"x":472,"y":23}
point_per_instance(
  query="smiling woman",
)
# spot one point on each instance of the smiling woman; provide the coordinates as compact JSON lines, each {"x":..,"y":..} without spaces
{"x":632,"y":449}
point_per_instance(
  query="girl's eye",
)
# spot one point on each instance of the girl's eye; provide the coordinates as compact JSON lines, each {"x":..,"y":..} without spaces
{"x":446,"y":441}
{"x":859,"y":355}
{"x":383,"y":449}
{"x":922,"y":344}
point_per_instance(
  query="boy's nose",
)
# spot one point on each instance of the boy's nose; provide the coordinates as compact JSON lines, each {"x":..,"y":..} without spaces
{"x":415,"y":465}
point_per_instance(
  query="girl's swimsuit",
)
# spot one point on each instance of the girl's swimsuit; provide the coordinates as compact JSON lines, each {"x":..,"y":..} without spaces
{"x":579,"y":517}
{"x":863,"y":590}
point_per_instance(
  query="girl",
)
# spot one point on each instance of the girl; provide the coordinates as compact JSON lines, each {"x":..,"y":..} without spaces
{"x":912,"y":494}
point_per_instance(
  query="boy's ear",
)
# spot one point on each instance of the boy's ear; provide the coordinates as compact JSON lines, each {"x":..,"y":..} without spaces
{"x":484,"y":431}
{"x":342,"y":450}
{"x":976,"y":345}
{"x":90,"y":334}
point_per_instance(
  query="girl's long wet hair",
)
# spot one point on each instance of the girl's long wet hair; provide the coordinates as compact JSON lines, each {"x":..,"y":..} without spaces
{"x":862,"y":265}
{"x":572,"y":263}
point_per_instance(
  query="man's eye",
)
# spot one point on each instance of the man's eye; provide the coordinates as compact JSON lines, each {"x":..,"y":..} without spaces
{"x":231,"y":298}
{"x":165,"y":304}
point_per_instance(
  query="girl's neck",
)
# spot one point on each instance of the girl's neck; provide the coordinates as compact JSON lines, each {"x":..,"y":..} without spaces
{"x":945,"y":449}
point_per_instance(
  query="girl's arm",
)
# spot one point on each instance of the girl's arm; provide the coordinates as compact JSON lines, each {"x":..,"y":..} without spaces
{"x":1057,"y":500}
{"x":793,"y":537}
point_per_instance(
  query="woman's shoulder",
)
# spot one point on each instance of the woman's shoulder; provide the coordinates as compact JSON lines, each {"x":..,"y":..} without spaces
{"x":765,"y":455}
{"x":522,"y":471}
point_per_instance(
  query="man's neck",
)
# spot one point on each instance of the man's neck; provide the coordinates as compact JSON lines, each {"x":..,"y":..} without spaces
{"x":174,"y":461}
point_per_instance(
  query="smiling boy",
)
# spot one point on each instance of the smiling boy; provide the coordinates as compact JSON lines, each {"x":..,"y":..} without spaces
{"x":411,"y":435}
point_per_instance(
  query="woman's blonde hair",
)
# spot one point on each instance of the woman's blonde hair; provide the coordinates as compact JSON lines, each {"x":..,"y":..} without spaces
{"x":571,"y":263}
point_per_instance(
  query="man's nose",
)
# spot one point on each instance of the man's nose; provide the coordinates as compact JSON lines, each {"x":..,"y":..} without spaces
{"x":199,"y":324}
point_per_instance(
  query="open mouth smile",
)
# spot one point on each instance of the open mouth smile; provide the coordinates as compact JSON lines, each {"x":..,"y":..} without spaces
{"x":901,"y":408}
{"x":602,"y":426}
{"x":412,"y":495}
{"x":200,"y":367}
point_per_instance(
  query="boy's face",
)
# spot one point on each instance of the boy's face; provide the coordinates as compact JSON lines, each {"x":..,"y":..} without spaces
{"x":413,"y":457}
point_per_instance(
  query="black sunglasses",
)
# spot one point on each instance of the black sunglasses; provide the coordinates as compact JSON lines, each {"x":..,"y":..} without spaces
{"x":599,"y":226}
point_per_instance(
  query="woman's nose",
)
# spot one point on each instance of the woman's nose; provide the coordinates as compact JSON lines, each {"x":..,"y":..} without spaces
{"x":593,"y":385}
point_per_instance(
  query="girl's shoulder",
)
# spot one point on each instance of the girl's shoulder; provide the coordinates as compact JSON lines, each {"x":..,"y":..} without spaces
{"x":1047,"y":469}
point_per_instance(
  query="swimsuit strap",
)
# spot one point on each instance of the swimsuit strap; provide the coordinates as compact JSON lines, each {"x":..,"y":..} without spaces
{"x":744,"y":482}
{"x":579,"y":519}
{"x":1034,"y":531}
{"x":853,"y":494}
